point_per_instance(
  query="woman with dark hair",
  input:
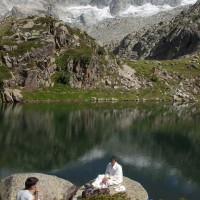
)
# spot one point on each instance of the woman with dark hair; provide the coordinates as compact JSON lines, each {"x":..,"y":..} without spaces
{"x":30,"y":189}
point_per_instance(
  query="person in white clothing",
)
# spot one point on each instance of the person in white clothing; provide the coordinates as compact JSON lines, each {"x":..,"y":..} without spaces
{"x":113,"y":175}
{"x":29,"y":191}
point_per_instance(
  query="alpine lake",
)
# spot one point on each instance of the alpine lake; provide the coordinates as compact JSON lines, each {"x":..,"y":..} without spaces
{"x":157,"y":144}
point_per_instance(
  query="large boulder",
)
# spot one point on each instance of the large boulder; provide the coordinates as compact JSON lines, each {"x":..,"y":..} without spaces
{"x":51,"y":187}
{"x":134,"y":190}
{"x":11,"y":95}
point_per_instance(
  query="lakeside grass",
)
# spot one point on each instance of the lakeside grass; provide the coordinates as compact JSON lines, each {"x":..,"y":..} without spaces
{"x":62,"y":93}
{"x":65,"y":93}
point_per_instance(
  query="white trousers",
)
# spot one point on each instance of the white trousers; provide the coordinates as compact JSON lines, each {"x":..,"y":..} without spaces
{"x":98,"y":182}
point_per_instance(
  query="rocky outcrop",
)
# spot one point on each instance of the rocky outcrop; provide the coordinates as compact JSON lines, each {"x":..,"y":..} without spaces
{"x":110,"y":32}
{"x":38,"y":47}
{"x":51,"y":187}
{"x":128,"y":77}
{"x":165,"y":41}
{"x":11,"y":95}
{"x":134,"y":190}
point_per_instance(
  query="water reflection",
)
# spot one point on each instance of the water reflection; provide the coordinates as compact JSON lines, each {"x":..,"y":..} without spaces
{"x":157,"y":144}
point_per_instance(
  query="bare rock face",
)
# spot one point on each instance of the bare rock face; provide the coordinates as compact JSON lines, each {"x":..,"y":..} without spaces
{"x":101,"y":4}
{"x":51,"y":187}
{"x":11,"y":95}
{"x":128,"y":77}
{"x":117,"y":6}
{"x":168,"y":40}
{"x":134,"y":190}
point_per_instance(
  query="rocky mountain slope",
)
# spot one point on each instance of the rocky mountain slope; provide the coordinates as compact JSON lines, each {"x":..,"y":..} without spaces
{"x":178,"y":37}
{"x":39,"y":51}
{"x":110,"y":32}
{"x":108,"y":21}
{"x":46,"y":59}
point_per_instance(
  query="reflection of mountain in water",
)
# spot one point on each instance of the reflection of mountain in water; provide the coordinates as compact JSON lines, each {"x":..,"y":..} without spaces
{"x":44,"y":137}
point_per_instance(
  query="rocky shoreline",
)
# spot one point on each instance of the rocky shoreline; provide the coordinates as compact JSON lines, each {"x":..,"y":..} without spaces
{"x":54,"y":188}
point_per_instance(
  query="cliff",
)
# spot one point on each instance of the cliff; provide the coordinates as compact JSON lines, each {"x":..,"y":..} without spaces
{"x":167,"y":40}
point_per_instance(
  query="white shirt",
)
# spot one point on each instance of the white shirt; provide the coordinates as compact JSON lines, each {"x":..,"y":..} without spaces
{"x":115,"y":172}
{"x":24,"y":195}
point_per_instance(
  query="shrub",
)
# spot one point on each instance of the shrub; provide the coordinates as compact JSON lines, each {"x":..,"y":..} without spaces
{"x":62,"y":61}
{"x":62,"y":77}
{"x":118,"y":196}
{"x":1,"y":82}
{"x":154,"y":78}
{"x":85,"y":60}
{"x":101,"y":51}
{"x":43,"y":20}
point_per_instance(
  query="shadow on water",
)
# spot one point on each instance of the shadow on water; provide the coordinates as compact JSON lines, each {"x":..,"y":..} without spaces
{"x":157,"y":144}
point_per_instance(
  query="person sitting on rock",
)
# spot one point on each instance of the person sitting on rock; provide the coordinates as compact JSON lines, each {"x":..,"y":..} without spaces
{"x":30,"y":190}
{"x":112,"y":176}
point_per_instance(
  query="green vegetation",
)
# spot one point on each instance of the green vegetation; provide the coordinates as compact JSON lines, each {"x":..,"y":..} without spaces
{"x":1,"y":82}
{"x":9,"y":42}
{"x":37,"y":27}
{"x":62,"y":77}
{"x":82,"y":56}
{"x":43,"y":20}
{"x":4,"y":31}
{"x":22,"y":47}
{"x":4,"y":72}
{"x":101,"y":51}
{"x":118,"y":196}
{"x":62,"y":92}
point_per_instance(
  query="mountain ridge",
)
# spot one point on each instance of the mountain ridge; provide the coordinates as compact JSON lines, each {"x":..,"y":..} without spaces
{"x":48,"y":60}
{"x":170,"y":40}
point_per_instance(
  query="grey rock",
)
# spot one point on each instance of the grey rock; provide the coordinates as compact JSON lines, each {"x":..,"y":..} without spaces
{"x":117,"y":6}
{"x":17,"y":96}
{"x":134,"y":189}
{"x":51,"y":187}
{"x":164,"y":40}
{"x":7,"y":95}
{"x":31,"y":79}
{"x":11,"y":95}
{"x":29,"y":24}
{"x":6,"y":48}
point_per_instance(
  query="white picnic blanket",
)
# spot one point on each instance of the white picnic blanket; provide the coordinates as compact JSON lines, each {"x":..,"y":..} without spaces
{"x":120,"y":188}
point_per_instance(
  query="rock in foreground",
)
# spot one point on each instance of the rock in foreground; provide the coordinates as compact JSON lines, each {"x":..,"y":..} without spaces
{"x":134,"y":190}
{"x":51,"y":187}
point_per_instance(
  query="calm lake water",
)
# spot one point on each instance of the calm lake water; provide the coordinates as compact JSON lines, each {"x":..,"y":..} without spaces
{"x":157,"y":145}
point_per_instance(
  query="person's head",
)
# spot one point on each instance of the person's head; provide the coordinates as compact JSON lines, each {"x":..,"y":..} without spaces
{"x":113,"y":160}
{"x":30,"y":183}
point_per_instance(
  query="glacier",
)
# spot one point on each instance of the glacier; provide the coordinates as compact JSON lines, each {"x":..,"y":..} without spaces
{"x":83,"y":11}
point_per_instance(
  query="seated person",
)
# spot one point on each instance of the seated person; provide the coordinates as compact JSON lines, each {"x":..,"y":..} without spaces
{"x":28,"y":193}
{"x":112,"y":176}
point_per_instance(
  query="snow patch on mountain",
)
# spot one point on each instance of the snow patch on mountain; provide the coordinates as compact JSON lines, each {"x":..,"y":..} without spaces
{"x":66,"y":10}
{"x":71,"y":14}
{"x":145,"y":10}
